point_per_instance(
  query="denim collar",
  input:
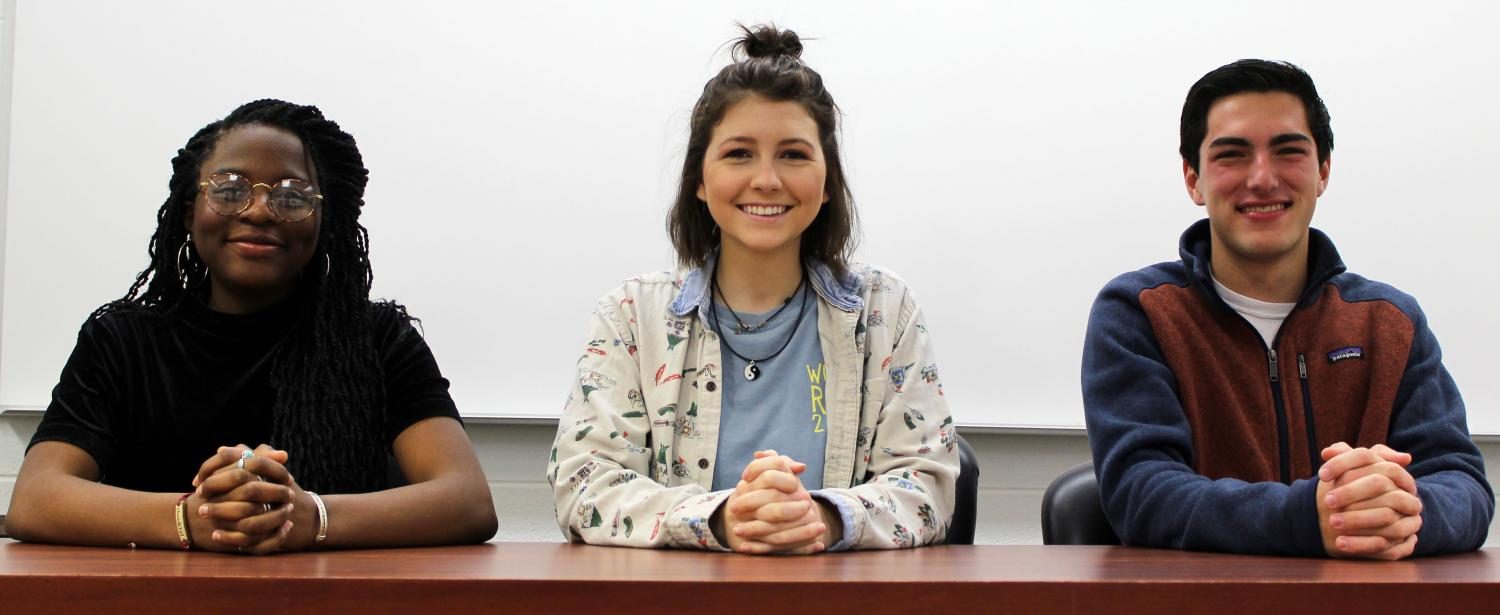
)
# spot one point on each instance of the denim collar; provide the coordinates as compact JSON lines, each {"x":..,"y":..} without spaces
{"x":840,"y":293}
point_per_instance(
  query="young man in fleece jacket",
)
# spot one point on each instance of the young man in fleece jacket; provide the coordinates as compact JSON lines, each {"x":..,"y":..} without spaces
{"x":1255,"y":397}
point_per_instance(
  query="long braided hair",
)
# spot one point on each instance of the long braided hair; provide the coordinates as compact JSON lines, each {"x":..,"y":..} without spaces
{"x":329,"y":413}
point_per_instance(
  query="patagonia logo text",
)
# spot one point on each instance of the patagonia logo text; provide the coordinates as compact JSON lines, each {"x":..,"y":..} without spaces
{"x":1347,"y":352}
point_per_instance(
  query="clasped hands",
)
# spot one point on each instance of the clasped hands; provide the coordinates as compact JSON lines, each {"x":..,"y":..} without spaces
{"x":770,"y":512}
{"x":251,"y":509}
{"x":1367,"y":503}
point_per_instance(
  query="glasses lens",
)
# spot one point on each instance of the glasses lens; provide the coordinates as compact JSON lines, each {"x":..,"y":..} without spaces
{"x":293,"y":199}
{"x":227,"y":193}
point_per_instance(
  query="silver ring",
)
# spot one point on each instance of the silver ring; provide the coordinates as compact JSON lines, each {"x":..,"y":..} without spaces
{"x":267,"y":505}
{"x":240,"y":549}
{"x":244,"y":456}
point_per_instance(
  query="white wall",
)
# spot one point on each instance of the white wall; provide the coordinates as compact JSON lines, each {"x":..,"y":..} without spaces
{"x":7,"y":39}
{"x":1008,"y":158}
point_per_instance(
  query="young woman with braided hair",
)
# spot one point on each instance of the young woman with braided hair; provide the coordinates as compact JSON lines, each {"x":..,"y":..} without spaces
{"x":766,"y":340}
{"x":253,"y":324}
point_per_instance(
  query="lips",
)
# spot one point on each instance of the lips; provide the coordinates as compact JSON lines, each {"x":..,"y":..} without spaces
{"x":256,"y":244}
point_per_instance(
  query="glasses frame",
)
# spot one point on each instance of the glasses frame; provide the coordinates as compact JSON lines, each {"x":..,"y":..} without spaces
{"x":203,"y":188}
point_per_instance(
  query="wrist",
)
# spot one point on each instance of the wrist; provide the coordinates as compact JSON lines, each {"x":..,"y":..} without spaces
{"x":833,"y":522}
{"x":719,"y":524}
{"x":199,"y":530}
{"x":304,"y":519}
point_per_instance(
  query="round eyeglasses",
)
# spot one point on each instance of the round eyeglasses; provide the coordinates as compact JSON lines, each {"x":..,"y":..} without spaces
{"x":290,"y":200}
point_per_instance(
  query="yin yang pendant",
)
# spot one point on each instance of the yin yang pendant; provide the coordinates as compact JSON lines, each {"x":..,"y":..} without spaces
{"x":751,"y":371}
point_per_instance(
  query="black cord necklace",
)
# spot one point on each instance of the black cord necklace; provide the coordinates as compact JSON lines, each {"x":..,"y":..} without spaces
{"x":742,"y":327}
{"x":751,"y":370}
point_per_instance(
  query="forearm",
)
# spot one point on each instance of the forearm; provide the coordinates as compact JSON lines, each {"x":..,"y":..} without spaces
{"x":65,"y":509}
{"x":1159,"y":504}
{"x":447,"y":510}
{"x":1456,"y":513}
{"x":893,"y":512}
{"x":600,"y":503}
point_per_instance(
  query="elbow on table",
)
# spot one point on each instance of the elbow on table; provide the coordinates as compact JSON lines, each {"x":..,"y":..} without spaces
{"x":21,"y":519}
{"x":480,"y":523}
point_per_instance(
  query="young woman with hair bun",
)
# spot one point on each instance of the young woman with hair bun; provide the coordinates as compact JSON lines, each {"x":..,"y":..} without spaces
{"x":769,"y":396}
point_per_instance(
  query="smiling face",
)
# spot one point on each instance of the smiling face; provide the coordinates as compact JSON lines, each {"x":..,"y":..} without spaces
{"x":763,"y":176}
{"x":1259,"y":178}
{"x":254,"y":259}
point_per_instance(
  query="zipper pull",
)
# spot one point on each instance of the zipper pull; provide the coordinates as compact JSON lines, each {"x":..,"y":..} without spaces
{"x":1272,"y":353}
{"x":1301,"y":366}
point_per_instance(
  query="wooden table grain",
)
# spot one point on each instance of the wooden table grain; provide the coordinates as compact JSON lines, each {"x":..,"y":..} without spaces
{"x":546,"y":578}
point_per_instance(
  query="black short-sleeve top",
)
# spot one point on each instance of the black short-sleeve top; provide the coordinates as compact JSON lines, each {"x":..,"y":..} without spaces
{"x":151,"y":398}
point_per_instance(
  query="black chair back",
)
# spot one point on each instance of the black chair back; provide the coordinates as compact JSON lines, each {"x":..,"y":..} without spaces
{"x":1072,"y":513}
{"x":966,"y":497}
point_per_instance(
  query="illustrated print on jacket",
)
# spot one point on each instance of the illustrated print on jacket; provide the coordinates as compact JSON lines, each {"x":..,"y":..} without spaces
{"x":912,"y":413}
{"x":898,"y":376}
{"x":947,"y":435}
{"x":687,"y":423}
{"x":590,"y":381}
{"x":676,"y":332}
{"x":903,"y":538}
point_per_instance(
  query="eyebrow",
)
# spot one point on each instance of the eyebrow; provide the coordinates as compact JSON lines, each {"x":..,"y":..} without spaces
{"x":1281,"y":139}
{"x":793,"y":140}
{"x":237,"y":171}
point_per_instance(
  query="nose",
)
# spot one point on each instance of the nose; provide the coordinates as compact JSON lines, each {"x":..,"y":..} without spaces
{"x":259,"y":211}
{"x":1262,"y":176}
{"x":767,"y":177}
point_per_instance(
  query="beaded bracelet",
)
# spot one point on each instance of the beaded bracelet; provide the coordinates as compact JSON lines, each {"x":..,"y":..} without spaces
{"x":182,"y":529}
{"x":322,"y":518}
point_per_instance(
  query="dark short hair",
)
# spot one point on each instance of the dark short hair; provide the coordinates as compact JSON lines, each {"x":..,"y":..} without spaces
{"x":767,"y":64}
{"x":1251,"y":76}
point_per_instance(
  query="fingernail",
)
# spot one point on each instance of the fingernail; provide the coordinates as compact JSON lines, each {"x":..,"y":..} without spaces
{"x":203,"y":510}
{"x":289,"y":507}
{"x":1331,"y":501}
{"x":1336,"y":521}
{"x":286,"y":528}
{"x":1341,"y":543}
{"x":217,"y":536}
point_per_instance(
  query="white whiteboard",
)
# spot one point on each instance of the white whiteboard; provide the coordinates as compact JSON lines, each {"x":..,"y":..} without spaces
{"x":1006,"y":158}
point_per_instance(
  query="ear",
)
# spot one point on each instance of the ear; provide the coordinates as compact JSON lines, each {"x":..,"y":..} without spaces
{"x":187,"y":214}
{"x":1323,"y":174}
{"x":701,"y":196}
{"x":1190,"y":177}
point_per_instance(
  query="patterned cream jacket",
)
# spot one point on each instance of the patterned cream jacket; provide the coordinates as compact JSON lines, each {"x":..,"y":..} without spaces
{"x":633,"y":461}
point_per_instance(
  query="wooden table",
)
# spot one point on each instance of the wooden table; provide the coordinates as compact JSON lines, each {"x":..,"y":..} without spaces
{"x":542,"y":577}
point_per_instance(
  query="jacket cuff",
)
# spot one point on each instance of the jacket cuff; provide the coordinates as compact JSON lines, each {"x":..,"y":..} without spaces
{"x":1302,"y":511}
{"x":846,"y":516}
{"x":688,"y":523}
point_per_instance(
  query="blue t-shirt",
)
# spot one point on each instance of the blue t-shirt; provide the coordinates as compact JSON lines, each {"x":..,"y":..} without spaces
{"x":781,"y":409}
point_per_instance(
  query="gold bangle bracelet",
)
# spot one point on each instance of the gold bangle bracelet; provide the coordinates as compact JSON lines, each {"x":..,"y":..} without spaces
{"x":182,"y":529}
